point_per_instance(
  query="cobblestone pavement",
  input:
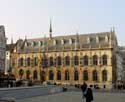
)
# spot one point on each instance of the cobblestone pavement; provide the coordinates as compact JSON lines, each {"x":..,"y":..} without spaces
{"x":76,"y":97}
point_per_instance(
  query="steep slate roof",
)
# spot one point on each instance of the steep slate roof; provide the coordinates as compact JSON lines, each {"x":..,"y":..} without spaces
{"x":10,"y":47}
{"x":78,"y":41}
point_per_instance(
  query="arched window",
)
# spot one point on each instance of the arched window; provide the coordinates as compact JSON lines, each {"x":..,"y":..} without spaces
{"x":104,"y":60}
{"x":62,"y":41}
{"x":35,"y":75}
{"x":36,"y":61}
{"x":27,"y":74}
{"x":21,"y":72}
{"x":28,"y":61}
{"x":95,"y":60}
{"x":21,"y":62}
{"x":44,"y":61}
{"x":97,"y":39}
{"x":106,"y":38}
{"x":95,"y":75}
{"x":81,"y":60}
{"x":76,"y":60}
{"x":59,"y":61}
{"x":104,"y":75}
{"x":42,"y":76}
{"x":67,"y":60}
{"x":40,"y":43}
{"x":88,"y":40}
{"x":86,"y":60}
{"x":85,"y":75}
{"x":51,"y":75}
{"x":54,"y":42}
{"x":58,"y":75}
{"x":66,"y":75}
{"x":76,"y":75}
{"x":70,"y":41}
{"x":51,"y":61}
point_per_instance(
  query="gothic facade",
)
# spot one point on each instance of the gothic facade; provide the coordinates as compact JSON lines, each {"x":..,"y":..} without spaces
{"x":70,"y":59}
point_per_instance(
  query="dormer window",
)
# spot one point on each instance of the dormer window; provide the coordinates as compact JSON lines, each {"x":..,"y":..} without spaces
{"x":25,"y":44}
{"x":40,"y":43}
{"x":106,"y":38}
{"x":62,"y":41}
{"x":54,"y":42}
{"x":70,"y":41}
{"x":97,"y":39}
{"x":88,"y":40}
{"x":32,"y":43}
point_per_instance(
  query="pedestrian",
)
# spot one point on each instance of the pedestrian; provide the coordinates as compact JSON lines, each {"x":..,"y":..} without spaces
{"x":84,"y":89}
{"x":89,"y":94}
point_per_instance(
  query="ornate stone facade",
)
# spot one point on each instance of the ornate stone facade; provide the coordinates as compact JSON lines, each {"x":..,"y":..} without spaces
{"x":70,"y":59}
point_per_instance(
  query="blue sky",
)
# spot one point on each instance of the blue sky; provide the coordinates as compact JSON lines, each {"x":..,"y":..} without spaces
{"x":32,"y":17}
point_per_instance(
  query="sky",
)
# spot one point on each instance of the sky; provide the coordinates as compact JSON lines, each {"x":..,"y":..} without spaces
{"x":31,"y":18}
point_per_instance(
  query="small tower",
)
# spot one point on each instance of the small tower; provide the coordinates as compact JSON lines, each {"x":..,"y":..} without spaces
{"x":50,"y":30}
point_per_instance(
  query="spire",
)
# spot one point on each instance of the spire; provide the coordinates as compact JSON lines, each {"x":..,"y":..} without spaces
{"x":50,"y":30}
{"x":12,"y":40}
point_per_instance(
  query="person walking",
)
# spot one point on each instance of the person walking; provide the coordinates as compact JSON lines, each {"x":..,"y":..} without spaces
{"x":84,"y":90}
{"x":89,"y":94}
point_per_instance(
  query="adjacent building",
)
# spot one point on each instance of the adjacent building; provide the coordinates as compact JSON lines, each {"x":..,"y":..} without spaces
{"x":119,"y":66}
{"x":9,"y":50}
{"x":70,"y":59}
{"x":2,"y":48}
{"x":122,"y":51}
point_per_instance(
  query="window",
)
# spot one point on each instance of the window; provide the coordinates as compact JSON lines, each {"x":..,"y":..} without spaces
{"x":95,"y":76}
{"x":28,"y":61}
{"x":27,"y":74}
{"x":21,"y":72}
{"x":86,"y":62}
{"x":40,"y":43}
{"x":76,"y":60}
{"x":104,"y":60}
{"x":70,"y":41}
{"x":51,"y":61}
{"x":35,"y":75}
{"x":66,"y":75}
{"x":106,"y":38}
{"x":36,"y":61}
{"x":58,"y":75}
{"x":85,"y":75}
{"x":54,"y":42}
{"x":104,"y":75}
{"x":21,"y":61}
{"x":76,"y":75}
{"x":95,"y":60}
{"x":62,"y":42}
{"x":51,"y":75}
{"x":44,"y":61}
{"x":88,"y":40}
{"x":97,"y":39}
{"x":67,"y":60}
{"x":59,"y":61}
{"x":42,"y":76}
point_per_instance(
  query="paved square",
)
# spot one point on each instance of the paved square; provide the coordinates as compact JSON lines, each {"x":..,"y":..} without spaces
{"x":77,"y":97}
